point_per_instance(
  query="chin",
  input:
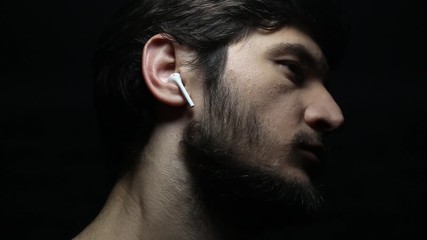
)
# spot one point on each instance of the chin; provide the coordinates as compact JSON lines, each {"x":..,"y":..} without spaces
{"x":297,"y":176}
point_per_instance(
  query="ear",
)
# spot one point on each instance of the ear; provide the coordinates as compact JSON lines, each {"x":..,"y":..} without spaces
{"x":159,"y":61}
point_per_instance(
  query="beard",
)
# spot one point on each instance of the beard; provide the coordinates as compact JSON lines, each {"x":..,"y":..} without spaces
{"x":224,"y":151}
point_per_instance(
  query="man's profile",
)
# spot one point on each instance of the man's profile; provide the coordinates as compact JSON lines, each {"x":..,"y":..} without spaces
{"x":245,"y":158}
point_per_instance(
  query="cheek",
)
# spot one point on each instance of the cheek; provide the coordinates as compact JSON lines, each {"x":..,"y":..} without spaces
{"x":248,"y":82}
{"x":276,"y":104}
{"x":282,"y":115}
{"x":259,"y":86}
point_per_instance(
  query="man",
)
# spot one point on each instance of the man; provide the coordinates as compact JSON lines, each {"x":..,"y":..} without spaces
{"x":242,"y":161}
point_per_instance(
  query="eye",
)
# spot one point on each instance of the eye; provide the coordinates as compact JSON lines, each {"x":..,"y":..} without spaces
{"x":293,"y":70}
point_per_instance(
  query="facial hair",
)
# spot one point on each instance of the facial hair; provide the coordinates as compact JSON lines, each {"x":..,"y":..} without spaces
{"x":222,"y":150}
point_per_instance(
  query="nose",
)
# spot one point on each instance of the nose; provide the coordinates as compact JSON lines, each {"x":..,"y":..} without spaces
{"x":322,"y":113}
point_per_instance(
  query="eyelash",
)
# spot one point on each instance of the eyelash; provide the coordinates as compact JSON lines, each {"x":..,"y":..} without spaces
{"x":294,"y":70}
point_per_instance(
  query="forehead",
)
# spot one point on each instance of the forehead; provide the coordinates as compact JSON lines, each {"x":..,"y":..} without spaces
{"x":289,"y":41}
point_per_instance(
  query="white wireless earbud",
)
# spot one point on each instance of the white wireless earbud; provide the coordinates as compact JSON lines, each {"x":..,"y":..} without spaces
{"x":176,"y":78}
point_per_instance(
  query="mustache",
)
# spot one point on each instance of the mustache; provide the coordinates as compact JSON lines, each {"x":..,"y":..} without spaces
{"x":307,"y":139}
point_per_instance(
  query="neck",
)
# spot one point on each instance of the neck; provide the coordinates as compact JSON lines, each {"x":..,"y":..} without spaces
{"x":155,"y":201}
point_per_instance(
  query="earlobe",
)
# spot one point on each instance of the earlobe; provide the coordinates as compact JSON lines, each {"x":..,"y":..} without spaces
{"x":159,"y":62}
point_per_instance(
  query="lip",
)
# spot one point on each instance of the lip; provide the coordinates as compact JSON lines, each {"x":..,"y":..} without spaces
{"x":316,"y":153}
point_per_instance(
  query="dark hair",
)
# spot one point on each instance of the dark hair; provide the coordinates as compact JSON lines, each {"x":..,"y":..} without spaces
{"x":124,"y":104}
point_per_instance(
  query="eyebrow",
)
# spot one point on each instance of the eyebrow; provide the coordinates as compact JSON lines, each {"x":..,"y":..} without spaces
{"x":302,"y":53}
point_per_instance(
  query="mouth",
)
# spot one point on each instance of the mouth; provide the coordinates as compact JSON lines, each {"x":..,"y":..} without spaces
{"x":313,"y":157}
{"x":315,"y":152}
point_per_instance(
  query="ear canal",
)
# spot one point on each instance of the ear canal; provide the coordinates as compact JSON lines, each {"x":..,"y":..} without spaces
{"x":176,"y":78}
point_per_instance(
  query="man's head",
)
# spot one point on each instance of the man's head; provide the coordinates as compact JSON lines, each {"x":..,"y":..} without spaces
{"x":256,"y":70}
{"x":125,"y":106}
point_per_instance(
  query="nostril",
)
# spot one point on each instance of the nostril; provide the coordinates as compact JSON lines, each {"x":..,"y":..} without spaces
{"x":321,"y":120}
{"x":321,"y":126}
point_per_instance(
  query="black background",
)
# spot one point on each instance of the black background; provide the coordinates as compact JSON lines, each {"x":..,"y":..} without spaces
{"x":53,"y":181}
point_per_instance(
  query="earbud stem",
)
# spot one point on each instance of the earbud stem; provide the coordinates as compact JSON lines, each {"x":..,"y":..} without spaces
{"x":176,"y":78}
{"x":185,"y":93}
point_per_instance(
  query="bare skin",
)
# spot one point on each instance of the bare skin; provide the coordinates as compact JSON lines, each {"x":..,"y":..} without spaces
{"x":153,"y":202}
